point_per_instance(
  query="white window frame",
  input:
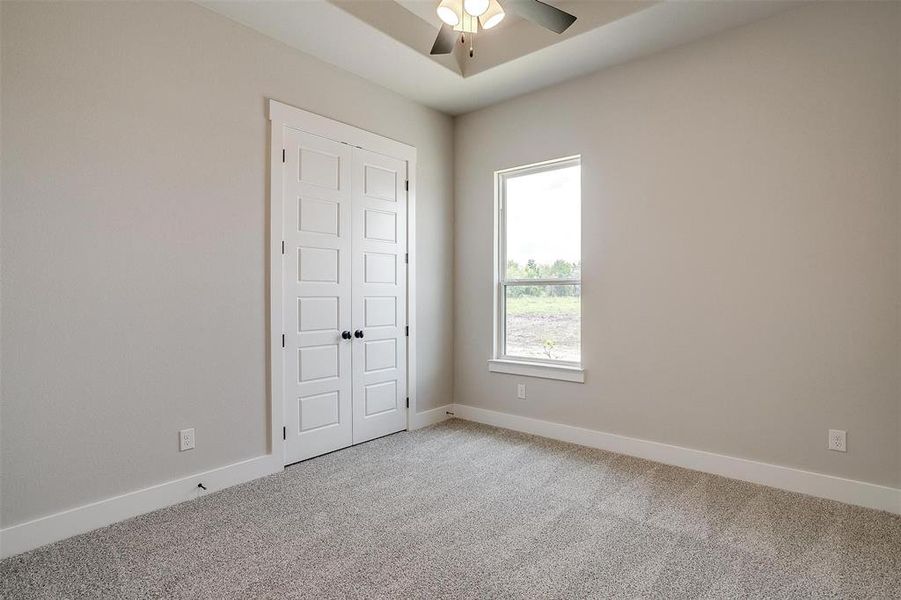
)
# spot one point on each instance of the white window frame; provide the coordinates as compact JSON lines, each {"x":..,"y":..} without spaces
{"x":501,"y":362}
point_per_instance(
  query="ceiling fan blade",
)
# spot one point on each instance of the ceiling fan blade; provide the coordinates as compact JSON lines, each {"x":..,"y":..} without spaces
{"x":444,"y":43}
{"x":542,"y":14}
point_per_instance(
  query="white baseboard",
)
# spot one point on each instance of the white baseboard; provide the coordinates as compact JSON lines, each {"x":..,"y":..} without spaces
{"x":44,"y":530}
{"x":36,"y":533}
{"x":848,"y":491}
{"x":430,"y":417}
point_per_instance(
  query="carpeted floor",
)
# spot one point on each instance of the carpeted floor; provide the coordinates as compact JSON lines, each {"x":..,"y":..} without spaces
{"x":461,"y":510}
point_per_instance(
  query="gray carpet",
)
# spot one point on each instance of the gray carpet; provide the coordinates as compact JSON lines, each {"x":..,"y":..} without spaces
{"x":466,"y":511}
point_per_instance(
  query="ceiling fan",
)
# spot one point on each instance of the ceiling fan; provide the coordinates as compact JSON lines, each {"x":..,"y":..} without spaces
{"x":466,"y":16}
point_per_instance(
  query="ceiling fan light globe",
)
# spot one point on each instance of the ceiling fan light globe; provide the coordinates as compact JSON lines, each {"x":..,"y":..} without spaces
{"x":494,"y":15}
{"x":448,"y":12}
{"x":492,"y":21}
{"x":476,"y":8}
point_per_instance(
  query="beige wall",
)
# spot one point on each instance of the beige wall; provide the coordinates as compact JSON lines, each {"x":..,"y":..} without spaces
{"x":740,"y":242}
{"x":134,"y":235}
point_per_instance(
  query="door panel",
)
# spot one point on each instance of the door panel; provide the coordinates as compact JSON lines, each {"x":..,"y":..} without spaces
{"x":318,"y":216}
{"x":379,"y":280}
{"x":379,"y":311}
{"x":318,"y":265}
{"x":380,"y":397}
{"x":380,"y":267}
{"x":317,"y":203}
{"x":381,"y":226}
{"x":320,"y":167}
{"x":317,"y":314}
{"x":345,"y":270}
{"x":318,"y":411}
{"x":381,"y":182}
{"x":380,"y":354}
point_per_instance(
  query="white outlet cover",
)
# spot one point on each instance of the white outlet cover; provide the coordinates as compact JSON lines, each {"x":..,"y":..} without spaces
{"x":838,"y":440}
{"x":186,"y":439}
{"x":521,"y":391}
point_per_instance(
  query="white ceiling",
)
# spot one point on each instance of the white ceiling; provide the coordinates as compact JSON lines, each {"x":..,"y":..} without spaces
{"x":399,"y":60}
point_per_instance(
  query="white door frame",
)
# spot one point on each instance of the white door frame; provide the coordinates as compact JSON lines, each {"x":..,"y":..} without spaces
{"x":280,"y":117}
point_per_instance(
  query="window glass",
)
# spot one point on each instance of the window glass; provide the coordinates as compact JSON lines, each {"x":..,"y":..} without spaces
{"x":541,"y":263}
{"x":544,"y":322}
{"x":544,"y":224}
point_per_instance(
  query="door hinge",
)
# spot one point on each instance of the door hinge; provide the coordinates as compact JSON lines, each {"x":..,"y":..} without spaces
{"x":283,"y":340}
{"x":407,"y":185}
{"x":407,"y":332}
{"x":408,"y":403}
{"x":407,"y":258}
{"x":284,"y":433}
{"x":283,"y":155}
{"x":283,"y":246}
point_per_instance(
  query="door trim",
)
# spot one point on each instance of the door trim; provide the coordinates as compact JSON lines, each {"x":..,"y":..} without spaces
{"x":282,"y":116}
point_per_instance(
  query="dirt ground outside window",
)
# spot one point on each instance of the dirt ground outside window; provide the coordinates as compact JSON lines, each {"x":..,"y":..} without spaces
{"x":544,"y":327}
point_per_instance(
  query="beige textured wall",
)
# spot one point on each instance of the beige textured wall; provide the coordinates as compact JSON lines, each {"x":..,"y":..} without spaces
{"x":134,"y":235}
{"x":740,"y":242}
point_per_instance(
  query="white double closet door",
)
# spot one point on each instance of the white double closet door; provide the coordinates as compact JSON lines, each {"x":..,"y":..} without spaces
{"x":345,"y":282}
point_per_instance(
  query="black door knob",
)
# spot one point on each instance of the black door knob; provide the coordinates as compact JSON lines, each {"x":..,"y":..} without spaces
{"x":358,"y":333}
{"x":345,"y":335}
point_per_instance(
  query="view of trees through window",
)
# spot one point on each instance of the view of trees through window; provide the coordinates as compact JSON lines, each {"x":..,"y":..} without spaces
{"x":542,"y":318}
{"x":559,"y":269}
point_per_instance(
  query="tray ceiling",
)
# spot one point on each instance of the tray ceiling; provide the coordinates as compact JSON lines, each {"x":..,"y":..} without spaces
{"x":388,"y":41}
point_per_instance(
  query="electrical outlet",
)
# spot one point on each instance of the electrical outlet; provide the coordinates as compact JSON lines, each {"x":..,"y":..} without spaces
{"x":521,"y":391}
{"x":186,"y":439}
{"x":838,"y":440}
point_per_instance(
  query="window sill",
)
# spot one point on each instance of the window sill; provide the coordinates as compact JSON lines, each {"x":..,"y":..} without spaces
{"x":534,"y":369}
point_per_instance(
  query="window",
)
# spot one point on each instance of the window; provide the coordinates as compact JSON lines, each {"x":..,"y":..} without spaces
{"x":539,"y":271}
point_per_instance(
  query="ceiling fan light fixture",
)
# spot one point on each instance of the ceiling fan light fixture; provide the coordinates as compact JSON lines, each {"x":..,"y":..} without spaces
{"x":476,"y":8}
{"x":449,"y":12}
{"x":465,"y":16}
{"x":493,"y":15}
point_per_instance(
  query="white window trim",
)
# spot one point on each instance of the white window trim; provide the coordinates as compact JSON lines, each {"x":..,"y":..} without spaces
{"x":514,"y":365}
{"x":541,"y":370}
